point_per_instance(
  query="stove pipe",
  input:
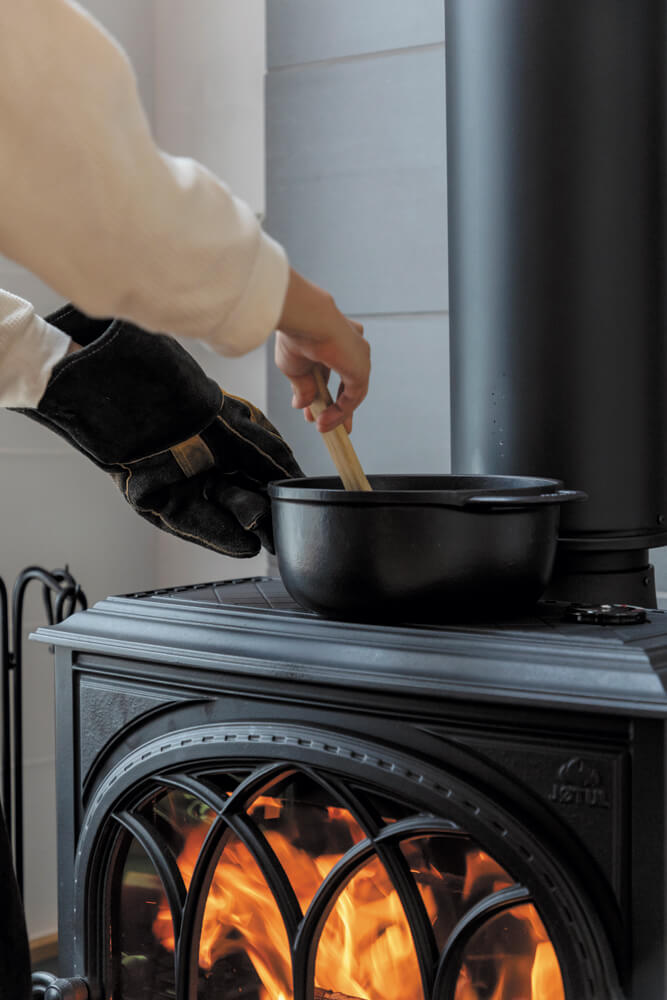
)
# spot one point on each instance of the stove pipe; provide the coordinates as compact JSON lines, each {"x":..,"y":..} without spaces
{"x":556,"y":158}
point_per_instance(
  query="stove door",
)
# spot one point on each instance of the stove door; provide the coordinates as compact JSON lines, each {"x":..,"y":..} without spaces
{"x":288,"y":864}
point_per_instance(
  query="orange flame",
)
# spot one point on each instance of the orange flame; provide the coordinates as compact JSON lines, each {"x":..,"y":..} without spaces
{"x":483,"y":876}
{"x":511,"y":958}
{"x":365,"y":951}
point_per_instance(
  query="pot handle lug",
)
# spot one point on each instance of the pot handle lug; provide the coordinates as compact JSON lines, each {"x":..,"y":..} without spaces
{"x":557,"y":496}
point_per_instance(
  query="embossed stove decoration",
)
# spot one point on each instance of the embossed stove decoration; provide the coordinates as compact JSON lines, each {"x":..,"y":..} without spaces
{"x":256,"y":802}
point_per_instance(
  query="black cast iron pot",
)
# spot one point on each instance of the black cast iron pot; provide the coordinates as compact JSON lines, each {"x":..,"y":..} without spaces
{"x":417,"y":548}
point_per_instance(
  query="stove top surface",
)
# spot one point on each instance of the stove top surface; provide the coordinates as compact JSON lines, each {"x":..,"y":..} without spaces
{"x":268,"y":596}
{"x":251,"y":628}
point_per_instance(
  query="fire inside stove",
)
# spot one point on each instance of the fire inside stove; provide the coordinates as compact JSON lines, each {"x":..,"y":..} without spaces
{"x":365,"y":892}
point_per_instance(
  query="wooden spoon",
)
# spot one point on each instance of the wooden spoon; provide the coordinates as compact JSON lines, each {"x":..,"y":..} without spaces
{"x":338,"y":441}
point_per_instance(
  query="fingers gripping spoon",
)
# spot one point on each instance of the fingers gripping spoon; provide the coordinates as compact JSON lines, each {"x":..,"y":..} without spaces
{"x":338,"y":441}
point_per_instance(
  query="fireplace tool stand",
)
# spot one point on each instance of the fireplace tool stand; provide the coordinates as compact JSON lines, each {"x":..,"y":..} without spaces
{"x":61,"y":595}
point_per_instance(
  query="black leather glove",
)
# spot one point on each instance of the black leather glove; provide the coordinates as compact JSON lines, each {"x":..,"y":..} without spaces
{"x":189,"y":457}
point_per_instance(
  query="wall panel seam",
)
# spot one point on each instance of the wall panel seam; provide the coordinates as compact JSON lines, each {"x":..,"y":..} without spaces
{"x":357,"y":57}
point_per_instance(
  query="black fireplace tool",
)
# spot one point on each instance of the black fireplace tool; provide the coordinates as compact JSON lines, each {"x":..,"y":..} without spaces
{"x":61,"y":595}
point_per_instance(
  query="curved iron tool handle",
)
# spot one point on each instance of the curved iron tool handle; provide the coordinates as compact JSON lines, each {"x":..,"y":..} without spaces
{"x":558,"y":496}
{"x":4,"y":699}
{"x":62,"y":583}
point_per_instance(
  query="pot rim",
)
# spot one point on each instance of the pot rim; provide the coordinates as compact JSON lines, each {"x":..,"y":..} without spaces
{"x":439,"y":490}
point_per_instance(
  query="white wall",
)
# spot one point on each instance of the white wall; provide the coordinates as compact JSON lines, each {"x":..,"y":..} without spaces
{"x":200,"y":68}
{"x":210,"y":57}
{"x":209,"y":103}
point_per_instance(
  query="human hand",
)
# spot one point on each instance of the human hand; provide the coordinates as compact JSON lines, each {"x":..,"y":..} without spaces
{"x":313,"y":331}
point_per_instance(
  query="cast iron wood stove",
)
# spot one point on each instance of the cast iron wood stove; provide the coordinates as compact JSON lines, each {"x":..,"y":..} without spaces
{"x":258,"y":802}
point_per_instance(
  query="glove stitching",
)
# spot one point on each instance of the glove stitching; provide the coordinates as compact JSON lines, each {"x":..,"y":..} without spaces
{"x":174,"y":530}
{"x":82,"y":356}
{"x":253,"y":418}
{"x":256,"y":447}
{"x":253,"y":524}
{"x":61,"y":314}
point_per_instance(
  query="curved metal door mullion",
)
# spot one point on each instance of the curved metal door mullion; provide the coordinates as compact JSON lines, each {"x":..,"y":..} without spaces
{"x":251,"y":786}
{"x":419,"y":922}
{"x":210,"y":796}
{"x":366,"y":818}
{"x":388,"y":845}
{"x":272,"y":870}
{"x":196,"y":787}
{"x":325,"y":898}
{"x":187,"y":944}
{"x":308,"y":934}
{"x":451,"y":958}
{"x":255,"y":783}
{"x":106,"y":880}
{"x":209,"y":856}
{"x":420,"y":826}
{"x":161,"y":856}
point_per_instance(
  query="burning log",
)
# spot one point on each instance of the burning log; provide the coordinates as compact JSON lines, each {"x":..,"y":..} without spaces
{"x":328,"y":995}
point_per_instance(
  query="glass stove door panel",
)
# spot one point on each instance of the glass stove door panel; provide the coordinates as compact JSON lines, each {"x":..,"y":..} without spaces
{"x":511,"y":958}
{"x":142,"y":959}
{"x":452,"y":875}
{"x":366,"y":948}
{"x":307,"y":828}
{"x":243,"y":946}
{"x":345,"y":933}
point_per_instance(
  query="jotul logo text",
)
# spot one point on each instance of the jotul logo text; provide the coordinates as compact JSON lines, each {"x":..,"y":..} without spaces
{"x":579,"y":784}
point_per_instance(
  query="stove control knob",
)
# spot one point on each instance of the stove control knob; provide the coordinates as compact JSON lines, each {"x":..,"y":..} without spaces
{"x":605,"y":614}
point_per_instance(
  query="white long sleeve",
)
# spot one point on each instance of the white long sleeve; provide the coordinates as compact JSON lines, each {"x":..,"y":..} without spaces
{"x":29,"y":348}
{"x":90,"y":205}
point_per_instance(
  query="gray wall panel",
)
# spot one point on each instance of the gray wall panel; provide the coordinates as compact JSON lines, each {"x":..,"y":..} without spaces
{"x":301,"y":31}
{"x":403,"y":424}
{"x":356,"y":192}
{"x":356,"y":178}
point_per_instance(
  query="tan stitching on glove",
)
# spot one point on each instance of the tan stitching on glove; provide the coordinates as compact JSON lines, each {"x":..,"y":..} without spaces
{"x":255,"y":414}
{"x":256,"y":447}
{"x":246,"y":402}
{"x":193,"y":456}
{"x":171,"y":527}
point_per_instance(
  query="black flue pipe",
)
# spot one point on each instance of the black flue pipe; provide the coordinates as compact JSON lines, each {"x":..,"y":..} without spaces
{"x":556,"y":175}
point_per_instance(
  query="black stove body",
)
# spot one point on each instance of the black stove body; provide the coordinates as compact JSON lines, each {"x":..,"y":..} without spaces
{"x":535,"y":746}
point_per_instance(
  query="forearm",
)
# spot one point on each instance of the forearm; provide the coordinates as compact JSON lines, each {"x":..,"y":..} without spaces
{"x":91,"y":205}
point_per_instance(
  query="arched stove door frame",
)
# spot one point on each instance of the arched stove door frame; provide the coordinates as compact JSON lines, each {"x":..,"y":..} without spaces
{"x":337,"y":760}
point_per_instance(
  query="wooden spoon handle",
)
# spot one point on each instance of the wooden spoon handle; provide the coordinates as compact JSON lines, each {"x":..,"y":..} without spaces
{"x":338,"y":441}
